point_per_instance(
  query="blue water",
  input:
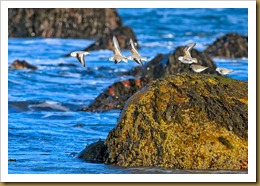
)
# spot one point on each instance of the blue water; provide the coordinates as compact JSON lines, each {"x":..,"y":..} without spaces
{"x":46,"y":130}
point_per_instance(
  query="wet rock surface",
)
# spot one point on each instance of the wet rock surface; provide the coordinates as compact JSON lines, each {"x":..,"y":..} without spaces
{"x":183,"y":121}
{"x":231,"y":45}
{"x":115,"y":96}
{"x":62,"y":22}
{"x":21,"y":64}
{"x":94,"y":153}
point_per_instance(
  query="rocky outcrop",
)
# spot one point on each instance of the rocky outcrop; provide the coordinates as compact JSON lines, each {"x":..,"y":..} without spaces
{"x":167,"y":64}
{"x":94,"y":153}
{"x":21,"y":64}
{"x":115,"y":96}
{"x":231,"y":45}
{"x":94,"y":23}
{"x":62,"y":22}
{"x":183,"y":121}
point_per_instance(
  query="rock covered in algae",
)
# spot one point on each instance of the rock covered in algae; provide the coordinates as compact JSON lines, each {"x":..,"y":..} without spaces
{"x":183,"y":121}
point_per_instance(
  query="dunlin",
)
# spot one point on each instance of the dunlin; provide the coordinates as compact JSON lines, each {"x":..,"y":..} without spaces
{"x":117,"y":54}
{"x":80,"y":56}
{"x":135,"y":55}
{"x":198,"y":68}
{"x":224,"y":71}
{"x":187,"y":59}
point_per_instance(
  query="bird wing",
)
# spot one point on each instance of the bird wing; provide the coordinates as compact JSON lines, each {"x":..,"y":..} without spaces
{"x":116,"y":48}
{"x":188,"y":49}
{"x":133,"y":49}
{"x":191,"y":46}
{"x":186,"y":53}
{"x":81,"y":59}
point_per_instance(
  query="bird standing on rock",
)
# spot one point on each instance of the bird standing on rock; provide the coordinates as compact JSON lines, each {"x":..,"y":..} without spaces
{"x":187,"y":59}
{"x":80,"y":56}
{"x":135,"y":55}
{"x":117,"y":54}
{"x":198,"y":68}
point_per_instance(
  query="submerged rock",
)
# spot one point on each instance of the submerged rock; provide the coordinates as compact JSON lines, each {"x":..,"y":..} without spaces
{"x":115,"y":96}
{"x":18,"y":64}
{"x":184,"y":121}
{"x":62,"y":22}
{"x":94,"y":153}
{"x":231,"y":45}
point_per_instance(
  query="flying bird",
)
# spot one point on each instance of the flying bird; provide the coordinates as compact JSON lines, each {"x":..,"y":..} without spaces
{"x":187,"y":59}
{"x":135,"y":55}
{"x":117,"y":54}
{"x":80,"y":56}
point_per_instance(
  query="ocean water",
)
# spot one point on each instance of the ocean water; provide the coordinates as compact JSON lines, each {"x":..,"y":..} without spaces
{"x":45,"y":128}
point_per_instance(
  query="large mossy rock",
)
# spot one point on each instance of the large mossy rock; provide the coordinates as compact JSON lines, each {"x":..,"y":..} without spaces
{"x":184,"y":121}
{"x":62,"y":22}
{"x":231,"y":45}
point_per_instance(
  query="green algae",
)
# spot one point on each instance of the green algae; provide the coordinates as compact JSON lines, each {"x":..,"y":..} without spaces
{"x":183,"y":121}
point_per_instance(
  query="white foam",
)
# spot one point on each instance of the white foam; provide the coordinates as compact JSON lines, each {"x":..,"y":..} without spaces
{"x":50,"y":104}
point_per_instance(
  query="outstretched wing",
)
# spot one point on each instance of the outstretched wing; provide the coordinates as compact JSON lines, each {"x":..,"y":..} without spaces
{"x":186,"y":53}
{"x":188,"y":49}
{"x":116,"y":48}
{"x":133,"y":49}
{"x":191,"y":46}
{"x":81,"y":59}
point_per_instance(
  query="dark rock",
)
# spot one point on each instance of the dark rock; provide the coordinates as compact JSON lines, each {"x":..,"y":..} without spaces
{"x":94,"y":153}
{"x":62,"y":22}
{"x":231,"y":45}
{"x":18,"y":64}
{"x":182,"y":121}
{"x":123,"y":35}
{"x":167,"y":64}
{"x":116,"y":95}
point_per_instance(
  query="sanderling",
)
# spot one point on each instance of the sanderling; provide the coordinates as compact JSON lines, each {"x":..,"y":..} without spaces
{"x":135,"y":55}
{"x":117,"y":54}
{"x":224,"y":71}
{"x":187,"y":59}
{"x":198,"y":68}
{"x":80,"y":56}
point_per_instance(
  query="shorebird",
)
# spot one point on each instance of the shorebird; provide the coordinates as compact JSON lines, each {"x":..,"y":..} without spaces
{"x":198,"y":68}
{"x":135,"y":55}
{"x":80,"y":56}
{"x":187,"y":59}
{"x":117,"y":54}
{"x":224,"y":71}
